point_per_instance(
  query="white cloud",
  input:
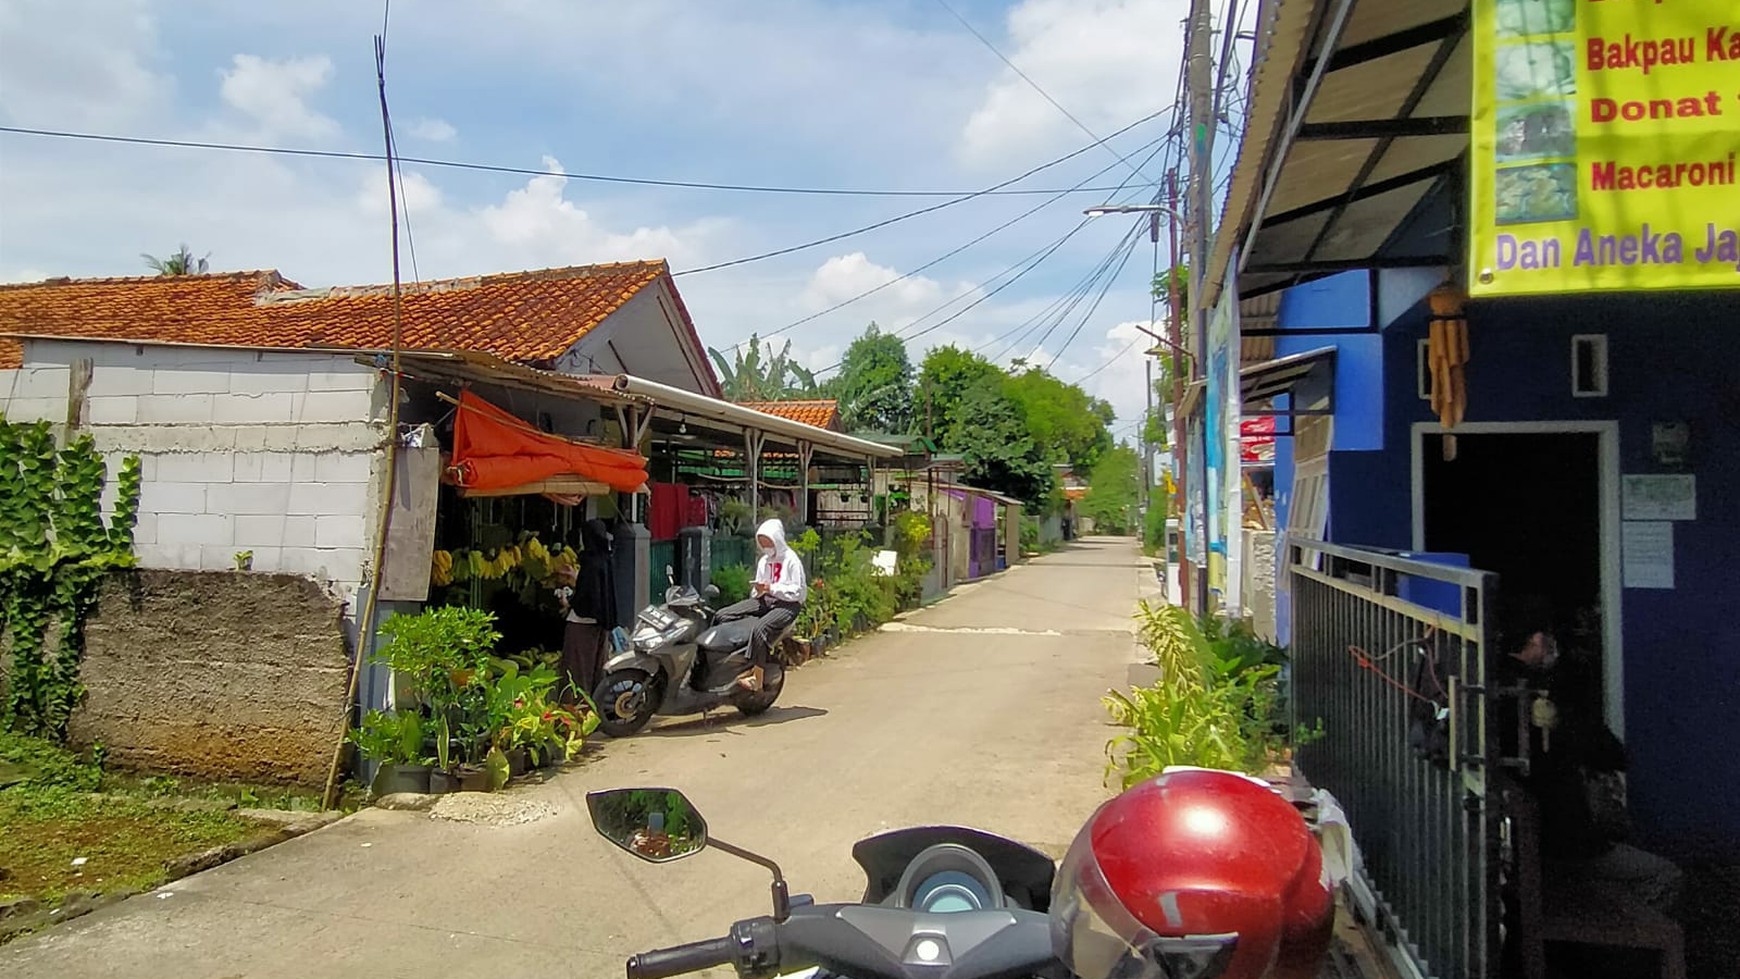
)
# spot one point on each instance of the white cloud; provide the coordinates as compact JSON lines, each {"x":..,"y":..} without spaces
{"x":417,"y":194}
{"x":1109,"y":62}
{"x":538,"y":219}
{"x":70,"y":64}
{"x":1121,"y":365}
{"x":843,"y":277}
{"x":274,"y":93}
{"x":431,"y":130}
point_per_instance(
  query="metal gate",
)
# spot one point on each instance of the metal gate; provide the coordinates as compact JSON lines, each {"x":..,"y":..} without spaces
{"x":1390,"y":655}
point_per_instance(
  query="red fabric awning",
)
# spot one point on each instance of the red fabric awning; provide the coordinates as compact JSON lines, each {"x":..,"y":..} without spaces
{"x":493,"y":450}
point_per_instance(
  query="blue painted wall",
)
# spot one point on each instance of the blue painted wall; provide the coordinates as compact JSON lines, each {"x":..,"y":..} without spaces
{"x":1671,"y":359}
{"x":1337,"y":302}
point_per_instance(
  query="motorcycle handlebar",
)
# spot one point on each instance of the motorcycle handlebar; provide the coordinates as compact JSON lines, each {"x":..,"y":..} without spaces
{"x":682,"y":959}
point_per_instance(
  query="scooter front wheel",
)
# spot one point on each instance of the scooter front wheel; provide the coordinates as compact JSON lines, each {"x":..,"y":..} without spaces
{"x":626,"y":700}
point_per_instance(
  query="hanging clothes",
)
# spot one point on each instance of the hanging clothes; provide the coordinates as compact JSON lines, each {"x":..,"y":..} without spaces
{"x":669,"y":506}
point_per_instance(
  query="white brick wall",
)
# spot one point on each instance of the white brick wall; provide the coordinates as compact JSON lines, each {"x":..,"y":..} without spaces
{"x":269,"y":452}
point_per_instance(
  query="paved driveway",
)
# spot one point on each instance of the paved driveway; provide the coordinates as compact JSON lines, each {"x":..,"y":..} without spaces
{"x":983,"y":710}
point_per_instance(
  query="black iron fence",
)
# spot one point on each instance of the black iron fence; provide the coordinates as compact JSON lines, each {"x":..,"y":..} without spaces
{"x":1390,"y":657}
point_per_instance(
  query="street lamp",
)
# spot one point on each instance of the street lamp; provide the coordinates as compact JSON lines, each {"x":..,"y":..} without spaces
{"x":1104,"y":209}
{"x":1154,"y":211}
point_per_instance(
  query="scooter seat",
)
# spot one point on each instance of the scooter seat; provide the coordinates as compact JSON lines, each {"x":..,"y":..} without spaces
{"x":727,"y":637}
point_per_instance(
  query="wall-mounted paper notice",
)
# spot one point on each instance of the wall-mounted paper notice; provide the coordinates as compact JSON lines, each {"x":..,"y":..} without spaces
{"x":1659,"y":497}
{"x":1648,"y":553}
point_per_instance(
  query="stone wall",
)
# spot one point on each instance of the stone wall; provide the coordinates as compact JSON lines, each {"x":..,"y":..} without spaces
{"x":215,"y":674}
{"x":1259,"y":585}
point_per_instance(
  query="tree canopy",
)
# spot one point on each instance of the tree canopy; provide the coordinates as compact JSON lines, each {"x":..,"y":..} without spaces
{"x":1064,"y":420}
{"x":755,"y":373}
{"x":943,"y":380}
{"x":874,"y":386}
{"x":182,"y":262}
{"x":1114,"y":488}
{"x":1011,"y":427}
{"x":988,"y":428}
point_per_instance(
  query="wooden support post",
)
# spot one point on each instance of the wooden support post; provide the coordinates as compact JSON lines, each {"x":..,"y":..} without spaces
{"x":752,"y":442}
{"x":806,"y":452}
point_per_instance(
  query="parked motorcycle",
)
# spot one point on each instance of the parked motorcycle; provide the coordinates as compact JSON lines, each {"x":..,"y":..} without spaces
{"x":1191,"y":875}
{"x":679,"y":662}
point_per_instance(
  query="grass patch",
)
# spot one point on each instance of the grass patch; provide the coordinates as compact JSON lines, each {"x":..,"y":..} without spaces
{"x":124,"y":842}
{"x":57,"y":807}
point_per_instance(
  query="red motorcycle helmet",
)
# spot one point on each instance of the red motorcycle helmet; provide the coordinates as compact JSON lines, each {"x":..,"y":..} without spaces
{"x":1193,"y":875}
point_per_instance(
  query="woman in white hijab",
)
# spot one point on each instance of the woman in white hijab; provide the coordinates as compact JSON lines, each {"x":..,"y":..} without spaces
{"x":776,"y":597}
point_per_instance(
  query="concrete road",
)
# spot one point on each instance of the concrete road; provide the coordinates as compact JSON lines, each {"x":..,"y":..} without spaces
{"x":983,"y":709}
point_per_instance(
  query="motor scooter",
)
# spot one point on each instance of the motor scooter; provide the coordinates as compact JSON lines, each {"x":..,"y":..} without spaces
{"x":1191,"y":875}
{"x":680,"y":661}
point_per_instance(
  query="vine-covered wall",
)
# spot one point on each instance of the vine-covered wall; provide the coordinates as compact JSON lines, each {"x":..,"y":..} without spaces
{"x":54,"y":552}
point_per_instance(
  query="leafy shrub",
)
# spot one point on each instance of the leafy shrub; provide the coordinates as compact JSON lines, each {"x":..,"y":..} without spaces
{"x":1154,"y":524}
{"x":1216,"y":704}
{"x":39,"y":762}
{"x":910,"y":535}
{"x":733,"y":583}
{"x":1029,"y":534}
{"x":391,"y":738}
{"x":439,"y":650}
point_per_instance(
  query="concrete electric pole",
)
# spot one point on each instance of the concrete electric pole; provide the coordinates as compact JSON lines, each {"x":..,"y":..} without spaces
{"x":1199,"y":88}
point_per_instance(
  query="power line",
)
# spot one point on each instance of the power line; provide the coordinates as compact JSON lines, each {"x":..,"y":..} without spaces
{"x":1114,"y":359}
{"x":1019,"y":269}
{"x":1035,"y":85}
{"x":927,"y":265}
{"x":1098,"y":141}
{"x":1060,"y":309}
{"x":1031,"y":262}
{"x":1069,"y":300}
{"x":1092,"y":309}
{"x":193,"y":144}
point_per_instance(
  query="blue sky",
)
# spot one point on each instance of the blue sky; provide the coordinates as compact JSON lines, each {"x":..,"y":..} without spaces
{"x":880,"y":94}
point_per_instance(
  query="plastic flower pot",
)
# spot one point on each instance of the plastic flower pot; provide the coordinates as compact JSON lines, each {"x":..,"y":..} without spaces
{"x":441,"y":783}
{"x":392,"y":778}
{"x":472,"y":779}
{"x":519,"y":762}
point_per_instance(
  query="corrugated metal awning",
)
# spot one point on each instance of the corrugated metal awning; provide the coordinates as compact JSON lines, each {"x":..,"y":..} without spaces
{"x":1310,"y":374}
{"x":1359,"y":116}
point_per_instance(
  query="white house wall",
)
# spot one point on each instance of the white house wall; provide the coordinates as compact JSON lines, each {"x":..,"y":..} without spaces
{"x":646,"y":338}
{"x":269,"y":452}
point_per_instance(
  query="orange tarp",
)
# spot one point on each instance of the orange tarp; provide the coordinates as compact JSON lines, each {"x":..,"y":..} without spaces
{"x":493,"y":450}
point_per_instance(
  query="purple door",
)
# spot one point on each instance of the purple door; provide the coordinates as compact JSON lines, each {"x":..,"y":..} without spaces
{"x":982,"y":557}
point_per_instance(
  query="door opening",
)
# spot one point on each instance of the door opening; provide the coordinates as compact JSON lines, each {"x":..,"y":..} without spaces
{"x":1528,"y":507}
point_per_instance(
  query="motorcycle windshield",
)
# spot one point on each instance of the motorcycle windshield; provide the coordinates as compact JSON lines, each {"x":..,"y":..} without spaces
{"x":1097,"y":938}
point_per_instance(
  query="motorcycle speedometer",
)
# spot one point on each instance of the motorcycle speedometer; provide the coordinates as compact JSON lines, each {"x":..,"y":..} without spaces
{"x":951,"y":891}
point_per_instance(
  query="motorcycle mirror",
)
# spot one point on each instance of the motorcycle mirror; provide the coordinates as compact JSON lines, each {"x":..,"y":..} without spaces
{"x":661,"y":825}
{"x":656,"y":825}
{"x":711,"y":592}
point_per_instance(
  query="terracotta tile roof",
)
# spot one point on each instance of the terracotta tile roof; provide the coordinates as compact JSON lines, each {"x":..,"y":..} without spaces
{"x":820,"y":413}
{"x":520,"y":316}
{"x":11,"y":355}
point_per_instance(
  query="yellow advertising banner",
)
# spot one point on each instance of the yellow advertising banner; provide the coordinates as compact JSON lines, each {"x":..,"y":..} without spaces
{"x":1604,"y":144}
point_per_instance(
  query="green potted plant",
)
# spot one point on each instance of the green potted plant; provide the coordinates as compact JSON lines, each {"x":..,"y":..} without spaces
{"x":441,"y":657}
{"x":395,"y":742}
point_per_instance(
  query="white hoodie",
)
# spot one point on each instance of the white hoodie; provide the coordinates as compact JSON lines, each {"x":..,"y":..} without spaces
{"x":781,"y":571}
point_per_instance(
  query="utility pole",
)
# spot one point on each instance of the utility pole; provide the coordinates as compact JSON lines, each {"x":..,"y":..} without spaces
{"x":1175,"y":333}
{"x":1199,"y":87}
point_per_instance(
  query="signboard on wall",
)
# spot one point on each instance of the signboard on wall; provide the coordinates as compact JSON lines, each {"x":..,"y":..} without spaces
{"x":1605,"y":146}
{"x":1222,"y":451}
{"x":1195,"y":529}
